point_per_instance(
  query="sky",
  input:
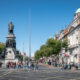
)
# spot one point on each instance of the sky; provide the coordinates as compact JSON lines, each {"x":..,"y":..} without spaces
{"x":45,"y":17}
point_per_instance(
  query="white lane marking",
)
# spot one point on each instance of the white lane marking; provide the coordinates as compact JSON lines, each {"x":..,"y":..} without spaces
{"x":6,"y":73}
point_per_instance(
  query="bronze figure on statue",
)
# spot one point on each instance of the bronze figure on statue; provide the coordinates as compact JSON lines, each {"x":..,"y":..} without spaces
{"x":10,"y":27}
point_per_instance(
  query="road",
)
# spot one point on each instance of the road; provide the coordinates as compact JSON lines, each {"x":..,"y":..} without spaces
{"x":44,"y":73}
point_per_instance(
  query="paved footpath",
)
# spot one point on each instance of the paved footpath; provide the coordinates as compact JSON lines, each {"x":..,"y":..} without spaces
{"x":44,"y":73}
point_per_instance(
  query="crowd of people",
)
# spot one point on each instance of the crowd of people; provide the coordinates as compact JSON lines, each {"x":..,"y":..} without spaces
{"x":14,"y":64}
{"x":53,"y":62}
{"x":70,"y":66}
{"x":28,"y":65}
{"x":65,"y":66}
{"x":32,"y":65}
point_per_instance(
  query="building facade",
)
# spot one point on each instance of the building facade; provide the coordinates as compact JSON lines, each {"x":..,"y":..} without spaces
{"x":72,"y":33}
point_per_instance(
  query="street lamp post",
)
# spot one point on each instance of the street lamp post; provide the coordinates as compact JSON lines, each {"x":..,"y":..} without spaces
{"x":23,"y":57}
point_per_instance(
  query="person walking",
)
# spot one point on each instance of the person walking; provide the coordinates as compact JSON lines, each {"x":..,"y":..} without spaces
{"x":19,"y":65}
{"x":0,"y":64}
{"x":29,"y":64}
{"x":11,"y":64}
{"x":32,"y":65}
{"x":76,"y":66}
{"x":36,"y":66}
{"x":14,"y":65}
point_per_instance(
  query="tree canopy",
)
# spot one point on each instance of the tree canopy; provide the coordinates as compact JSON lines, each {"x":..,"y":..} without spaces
{"x":52,"y":47}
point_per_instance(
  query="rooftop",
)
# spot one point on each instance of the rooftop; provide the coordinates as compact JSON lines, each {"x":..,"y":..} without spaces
{"x":78,"y":10}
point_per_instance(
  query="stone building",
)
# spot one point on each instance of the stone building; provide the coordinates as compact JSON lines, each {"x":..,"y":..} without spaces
{"x":56,"y":36}
{"x":72,"y":33}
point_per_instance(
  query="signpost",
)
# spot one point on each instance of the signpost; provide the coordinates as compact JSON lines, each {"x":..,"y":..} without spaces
{"x":24,"y":56}
{"x":63,"y":50}
{"x":63,"y":54}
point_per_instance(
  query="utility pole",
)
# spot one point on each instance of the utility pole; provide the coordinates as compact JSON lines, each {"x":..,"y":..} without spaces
{"x":62,"y":53}
{"x":23,"y":57}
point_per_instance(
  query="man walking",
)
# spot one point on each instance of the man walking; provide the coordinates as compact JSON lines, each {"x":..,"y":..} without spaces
{"x":36,"y":66}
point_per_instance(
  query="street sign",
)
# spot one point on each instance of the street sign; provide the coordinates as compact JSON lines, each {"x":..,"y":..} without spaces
{"x":24,"y":53}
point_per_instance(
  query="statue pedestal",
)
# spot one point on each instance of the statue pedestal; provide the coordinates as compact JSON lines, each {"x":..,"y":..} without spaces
{"x":11,"y":60}
{"x":10,"y":56}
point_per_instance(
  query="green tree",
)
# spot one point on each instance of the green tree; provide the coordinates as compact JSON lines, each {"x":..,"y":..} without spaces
{"x":27,"y":58}
{"x":37,"y":54}
{"x":43,"y":50}
{"x":21,"y":56}
{"x":2,"y":47}
{"x":48,"y":51}
{"x":52,"y":47}
{"x":65,"y":44}
{"x":50,"y":42}
{"x":55,"y":46}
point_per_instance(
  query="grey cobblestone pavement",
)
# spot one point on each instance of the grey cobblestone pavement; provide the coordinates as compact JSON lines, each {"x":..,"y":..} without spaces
{"x":44,"y":73}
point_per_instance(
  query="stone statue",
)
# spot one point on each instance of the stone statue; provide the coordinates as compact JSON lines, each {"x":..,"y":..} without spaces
{"x":10,"y":27}
{"x":10,"y":42}
{"x":10,"y":53}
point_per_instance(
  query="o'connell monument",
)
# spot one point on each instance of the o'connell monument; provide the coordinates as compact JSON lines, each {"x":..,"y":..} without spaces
{"x":10,"y":54}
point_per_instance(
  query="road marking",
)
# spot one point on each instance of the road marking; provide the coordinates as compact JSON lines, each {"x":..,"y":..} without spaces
{"x":51,"y":77}
{"x":23,"y":77}
{"x":6,"y":73}
{"x":60,"y":77}
{"x":72,"y":79}
{"x":9,"y":79}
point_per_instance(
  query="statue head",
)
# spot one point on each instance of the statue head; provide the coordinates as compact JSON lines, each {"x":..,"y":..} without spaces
{"x":10,"y":27}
